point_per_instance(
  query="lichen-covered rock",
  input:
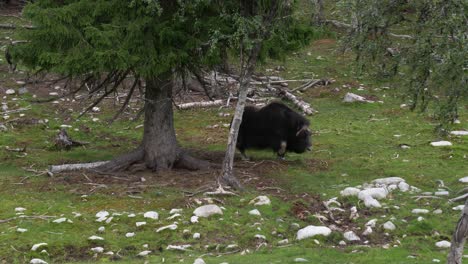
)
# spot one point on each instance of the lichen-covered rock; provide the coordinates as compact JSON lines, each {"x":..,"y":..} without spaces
{"x":261,"y":200}
{"x":443,"y":244}
{"x":151,"y":215}
{"x":389,"y":226}
{"x":351,"y":236}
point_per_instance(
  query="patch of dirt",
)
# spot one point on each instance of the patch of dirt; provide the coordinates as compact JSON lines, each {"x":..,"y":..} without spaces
{"x":324,"y":42}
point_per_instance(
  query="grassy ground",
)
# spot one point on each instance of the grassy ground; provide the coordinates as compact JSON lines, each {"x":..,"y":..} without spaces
{"x":353,"y":144}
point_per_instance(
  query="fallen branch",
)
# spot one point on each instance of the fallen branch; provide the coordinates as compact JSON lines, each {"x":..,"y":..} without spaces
{"x":74,"y":167}
{"x":15,"y":110}
{"x":459,"y":198}
{"x":459,"y":237}
{"x":11,"y":26}
{"x":305,"y":107}
{"x":313,"y":83}
{"x":220,"y":191}
{"x":419,"y":197}
{"x":200,"y":104}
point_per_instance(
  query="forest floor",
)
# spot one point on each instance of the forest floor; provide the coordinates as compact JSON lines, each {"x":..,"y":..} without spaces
{"x":353,"y":144}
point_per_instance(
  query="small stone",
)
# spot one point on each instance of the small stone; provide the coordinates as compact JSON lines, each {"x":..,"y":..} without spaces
{"x":261,"y":237}
{"x":144,"y":253}
{"x":37,"y":246}
{"x":351,"y":236}
{"x":376,"y":193}
{"x":199,"y":261}
{"x":389,"y":226}
{"x":140,"y":224}
{"x":300,"y":260}
{"x":109,"y":253}
{"x":442,"y":143}
{"x":437,"y":211}
{"x":311,"y":231}
{"x":21,"y":230}
{"x":196,"y":236}
{"x":435,"y":260}
{"x":130,"y":234}
{"x":37,"y":261}
{"x":95,"y":238}
{"x":459,"y":133}
{"x":350,"y":191}
{"x":254,"y":212}
{"x":131,"y":215}
{"x":419,"y":211}
{"x":61,"y":220}
{"x":443,"y":244}
{"x":10,"y":91}
{"x":441,"y":193}
{"x":261,"y":200}
{"x":95,"y":119}
{"x":95,"y":109}
{"x":53,"y":93}
{"x":420,"y":218}
{"x":464,"y":179}
{"x":97,"y":249}
{"x":20,"y":209}
{"x":178,"y":247}
{"x":101,"y":229}
{"x":342,"y":243}
{"x":283,"y":242}
{"x":403,"y":186}
{"x":102,"y":214}
{"x":194,"y":219}
{"x":207,"y":210}
{"x":368,"y":231}
{"x":151,"y":215}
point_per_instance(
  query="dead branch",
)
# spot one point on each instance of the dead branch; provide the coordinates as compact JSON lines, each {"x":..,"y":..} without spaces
{"x":313,"y":83}
{"x":11,"y":26}
{"x":459,"y":198}
{"x":15,"y":110}
{"x":459,"y":238}
{"x":200,"y":104}
{"x":305,"y":107}
{"x":73,"y":167}
{"x":419,"y":197}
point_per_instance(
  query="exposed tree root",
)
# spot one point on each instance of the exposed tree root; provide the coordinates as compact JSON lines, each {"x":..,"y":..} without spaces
{"x":186,"y":161}
{"x":123,"y":162}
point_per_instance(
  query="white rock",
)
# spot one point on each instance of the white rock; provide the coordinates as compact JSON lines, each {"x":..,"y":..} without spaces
{"x":101,"y":214}
{"x":261,"y":200}
{"x":101,"y":219}
{"x":76,"y":215}
{"x":459,"y":207}
{"x":351,"y":236}
{"x":95,"y":238}
{"x":441,"y":143}
{"x":350,"y":191}
{"x":311,"y":231}
{"x":194,"y":219}
{"x":419,"y":211}
{"x":61,"y":220}
{"x":151,"y":215}
{"x":178,"y":247}
{"x":130,"y":234}
{"x":420,"y":219}
{"x":96,"y":109}
{"x":464,"y":179}
{"x":441,"y":193}
{"x":459,"y":133}
{"x":140,"y":224}
{"x":196,"y":236}
{"x":10,"y":91}
{"x":388,"y":180}
{"x":351,"y":98}
{"x":21,"y":230}
{"x":95,"y":119}
{"x":109,"y":253}
{"x":144,"y":253}
{"x":443,"y":244}
{"x":389,"y":226}
{"x":436,"y":260}
{"x":101,"y":229}
{"x":283,"y":242}
{"x":437,"y":211}
{"x":20,"y":209}
{"x":392,"y":187}
{"x":254,"y":212}
{"x":175,"y":211}
{"x":199,"y":261}
{"x":403,"y":186}
{"x":300,"y":260}
{"x":368,"y":231}
{"x":371,"y":202}
{"x":171,"y":227}
{"x":371,"y":223}
{"x":376,"y":193}
{"x":207,"y":210}
{"x":37,"y":261}
{"x":97,"y":249}
{"x":131,"y":215}
{"x":37,"y":246}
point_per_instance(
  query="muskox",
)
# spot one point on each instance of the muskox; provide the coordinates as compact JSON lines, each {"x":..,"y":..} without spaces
{"x":276,"y":127}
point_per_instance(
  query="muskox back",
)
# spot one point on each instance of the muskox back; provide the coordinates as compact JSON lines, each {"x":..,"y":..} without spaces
{"x":275,"y":126}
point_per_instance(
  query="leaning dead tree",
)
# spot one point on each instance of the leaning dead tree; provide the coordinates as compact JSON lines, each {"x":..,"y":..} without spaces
{"x":459,"y":238}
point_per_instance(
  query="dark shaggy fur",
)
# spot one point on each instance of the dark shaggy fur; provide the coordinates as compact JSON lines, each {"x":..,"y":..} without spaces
{"x":274,"y":126}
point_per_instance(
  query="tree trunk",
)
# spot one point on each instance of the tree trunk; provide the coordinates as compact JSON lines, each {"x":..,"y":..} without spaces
{"x":459,"y":237}
{"x":227,"y":175}
{"x":318,"y":16}
{"x":159,"y":139}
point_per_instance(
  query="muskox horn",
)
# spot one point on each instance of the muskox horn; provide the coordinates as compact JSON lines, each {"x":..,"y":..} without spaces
{"x":303,"y":128}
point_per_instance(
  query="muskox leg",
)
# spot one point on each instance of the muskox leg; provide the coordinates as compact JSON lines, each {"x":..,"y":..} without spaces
{"x":282,"y":150}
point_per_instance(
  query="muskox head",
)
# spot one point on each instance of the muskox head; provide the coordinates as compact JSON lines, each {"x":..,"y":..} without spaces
{"x":302,"y":141}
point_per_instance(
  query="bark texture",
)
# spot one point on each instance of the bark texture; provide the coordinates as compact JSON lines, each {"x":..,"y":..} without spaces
{"x":459,"y":237}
